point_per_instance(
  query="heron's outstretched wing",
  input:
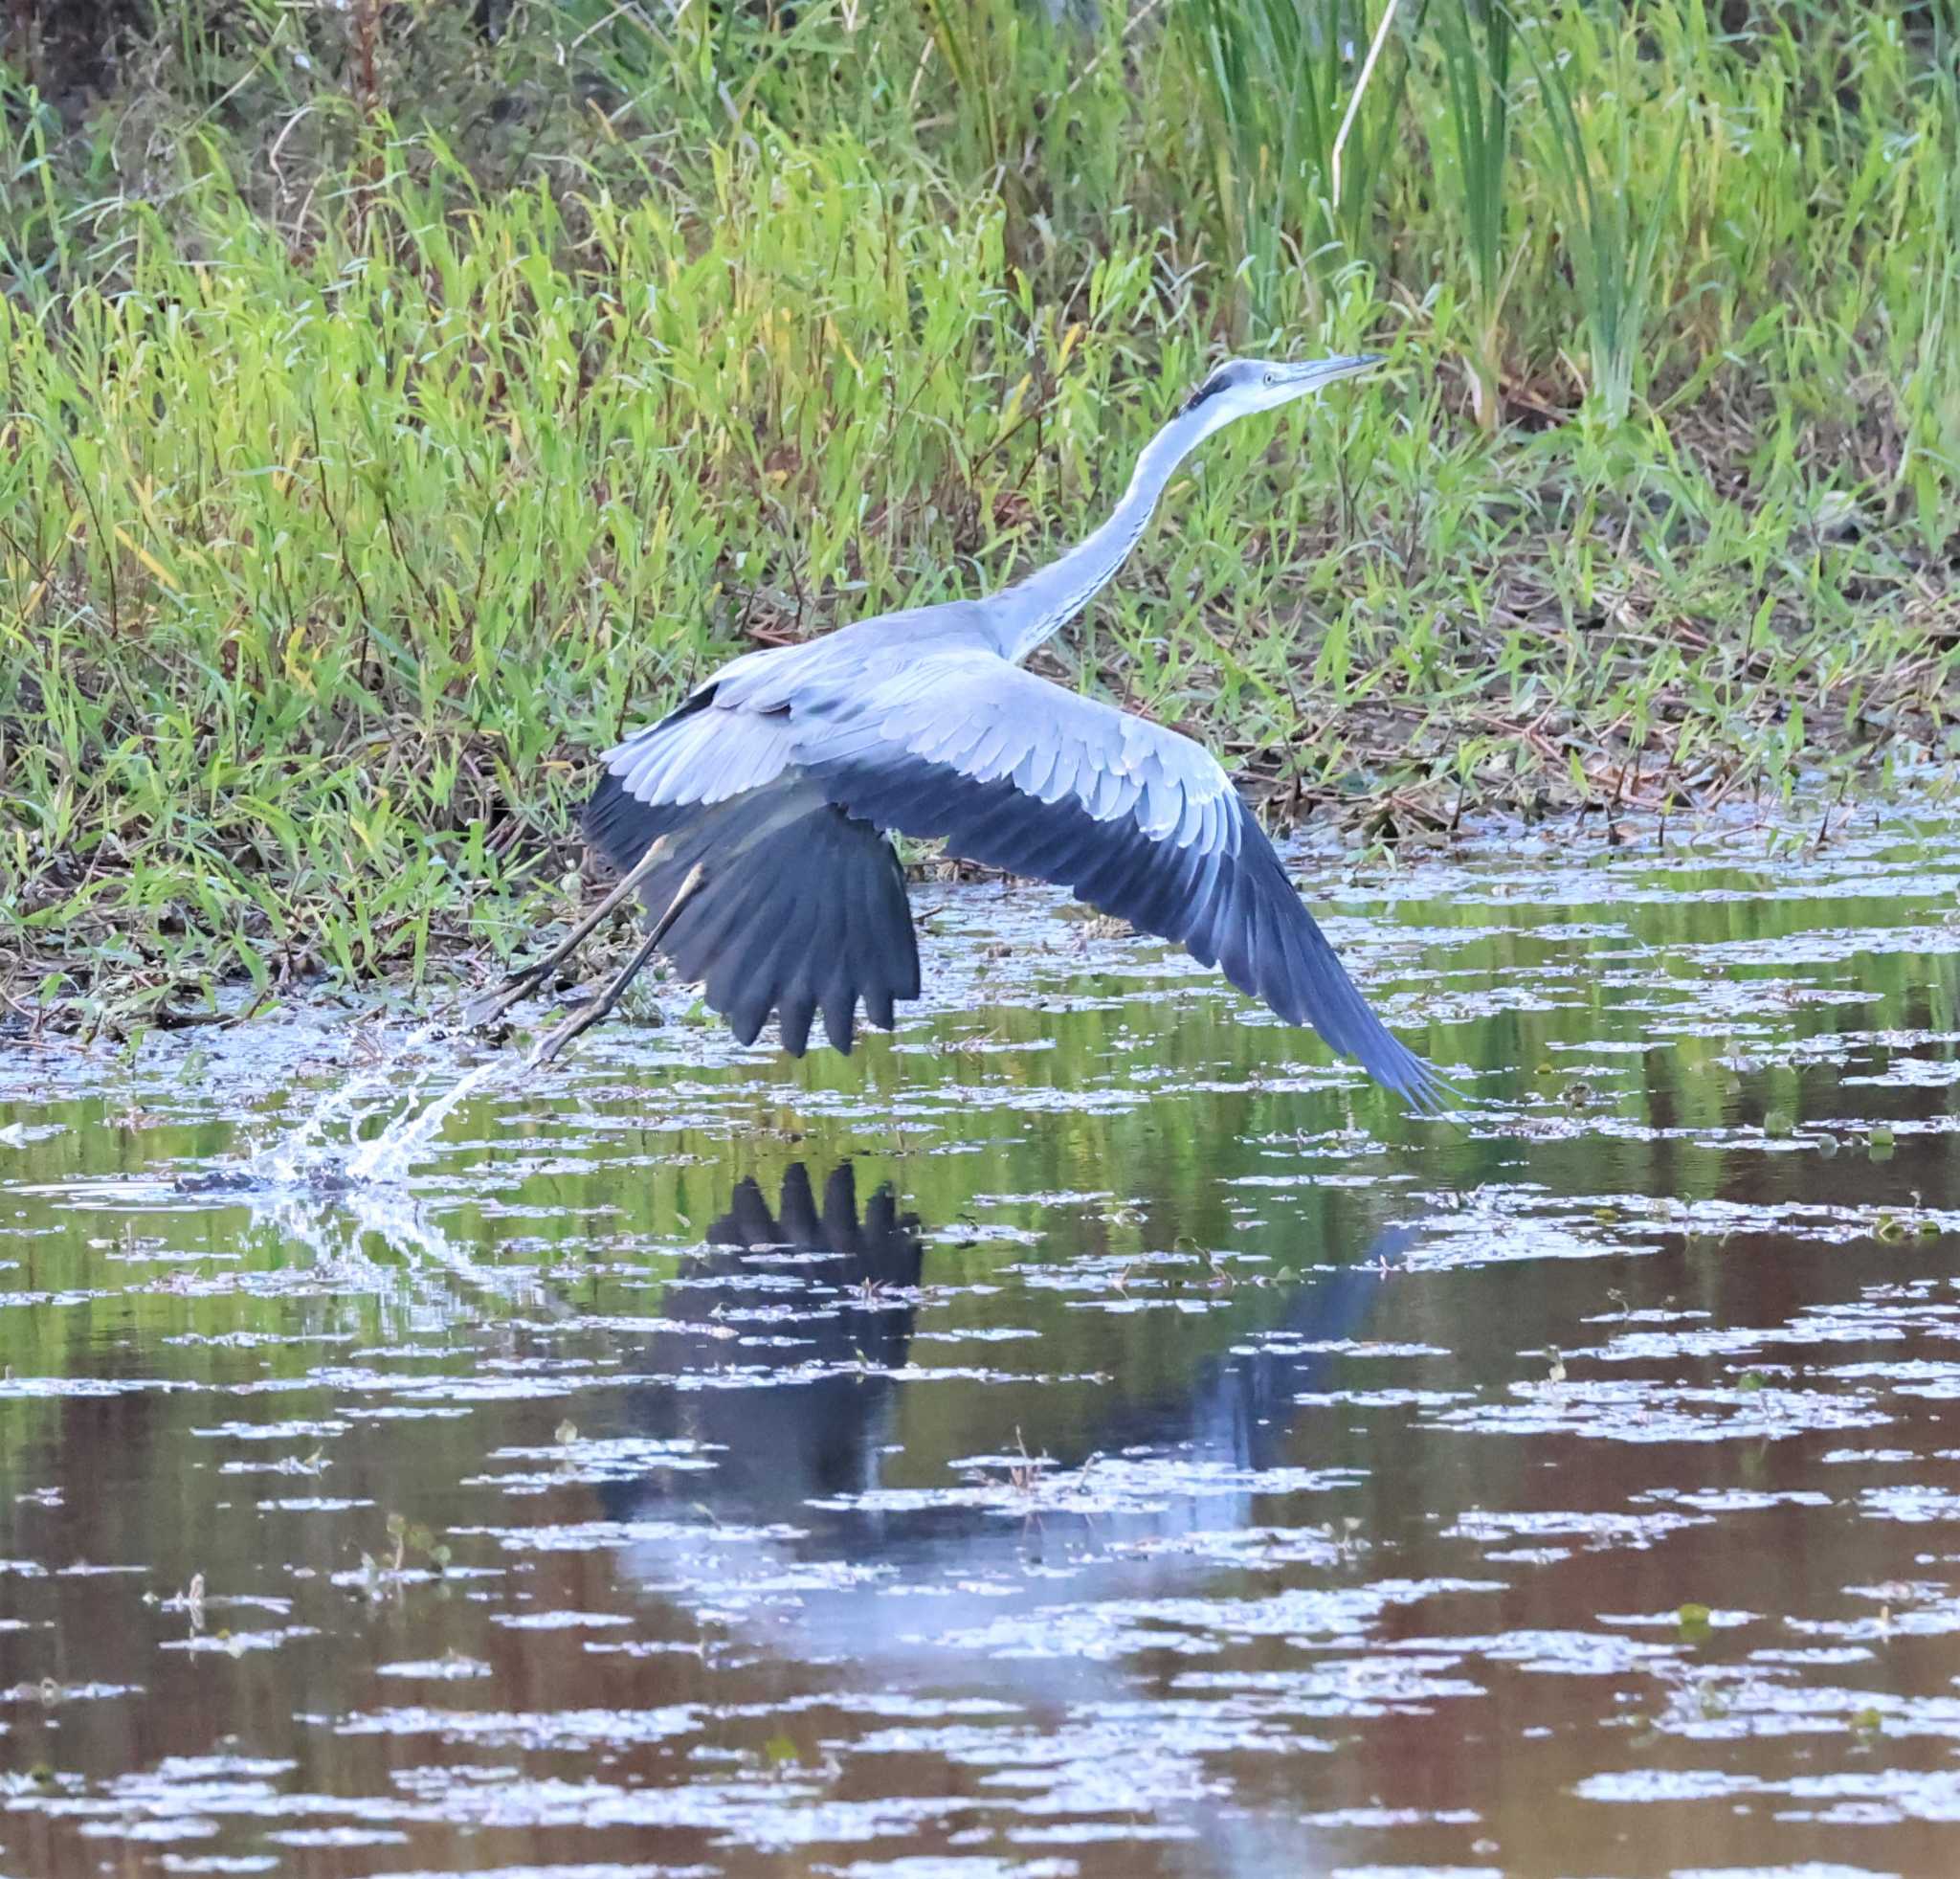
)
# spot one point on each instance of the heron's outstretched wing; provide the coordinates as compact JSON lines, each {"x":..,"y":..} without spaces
{"x":803,"y":908}
{"x":1016,"y":774}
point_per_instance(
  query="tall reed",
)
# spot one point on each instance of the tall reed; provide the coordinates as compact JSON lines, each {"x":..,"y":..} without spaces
{"x":1475,"y":39}
{"x":1277,"y":82}
{"x":1611,"y":213}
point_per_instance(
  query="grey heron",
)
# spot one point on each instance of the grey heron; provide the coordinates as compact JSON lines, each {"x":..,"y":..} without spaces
{"x":775,"y":787}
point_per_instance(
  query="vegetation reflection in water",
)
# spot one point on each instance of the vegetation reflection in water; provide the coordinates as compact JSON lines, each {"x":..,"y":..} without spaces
{"x":1085,"y":1434}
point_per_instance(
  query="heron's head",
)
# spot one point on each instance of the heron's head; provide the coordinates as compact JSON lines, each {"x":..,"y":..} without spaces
{"x":1240,"y":387}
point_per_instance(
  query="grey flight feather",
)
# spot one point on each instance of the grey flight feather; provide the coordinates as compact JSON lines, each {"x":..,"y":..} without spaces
{"x":803,"y":910}
{"x":785,"y":774}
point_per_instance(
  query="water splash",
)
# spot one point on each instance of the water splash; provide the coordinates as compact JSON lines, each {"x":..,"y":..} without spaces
{"x":388,"y":1156}
{"x":323,"y":1187}
{"x":325,"y":1150}
{"x":318,"y":1150}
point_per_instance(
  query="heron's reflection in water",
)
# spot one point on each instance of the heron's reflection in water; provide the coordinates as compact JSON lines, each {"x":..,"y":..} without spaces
{"x":794,"y":1320}
{"x":787,"y":1363}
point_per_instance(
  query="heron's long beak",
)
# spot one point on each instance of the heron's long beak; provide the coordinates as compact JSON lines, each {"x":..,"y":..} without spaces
{"x":1313,"y":372}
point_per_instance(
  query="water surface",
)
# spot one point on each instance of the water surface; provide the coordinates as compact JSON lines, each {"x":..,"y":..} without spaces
{"x":1086,"y":1433}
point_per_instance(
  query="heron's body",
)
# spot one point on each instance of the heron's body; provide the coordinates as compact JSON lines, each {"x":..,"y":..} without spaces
{"x":785,"y":774}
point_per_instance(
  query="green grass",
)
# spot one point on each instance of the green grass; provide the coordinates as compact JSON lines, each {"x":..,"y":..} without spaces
{"x":361,"y":473}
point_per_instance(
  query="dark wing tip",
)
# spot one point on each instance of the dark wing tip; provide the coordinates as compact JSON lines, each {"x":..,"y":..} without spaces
{"x":1418,"y":1083}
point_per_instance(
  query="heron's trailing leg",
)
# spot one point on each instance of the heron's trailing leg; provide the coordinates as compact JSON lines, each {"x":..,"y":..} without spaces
{"x":526,"y":979}
{"x":587,"y":1015}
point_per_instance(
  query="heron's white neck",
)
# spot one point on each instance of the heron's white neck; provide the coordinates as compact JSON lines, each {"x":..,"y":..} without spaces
{"x":1049,"y":599}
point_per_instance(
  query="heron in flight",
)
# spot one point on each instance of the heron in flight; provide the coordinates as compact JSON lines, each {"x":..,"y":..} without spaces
{"x":773,"y":791}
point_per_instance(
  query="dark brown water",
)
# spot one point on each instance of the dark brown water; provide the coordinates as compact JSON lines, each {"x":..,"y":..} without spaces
{"x":1086,"y":1434}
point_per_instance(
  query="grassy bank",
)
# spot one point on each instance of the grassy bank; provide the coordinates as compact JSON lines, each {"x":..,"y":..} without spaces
{"x":387,"y":419}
